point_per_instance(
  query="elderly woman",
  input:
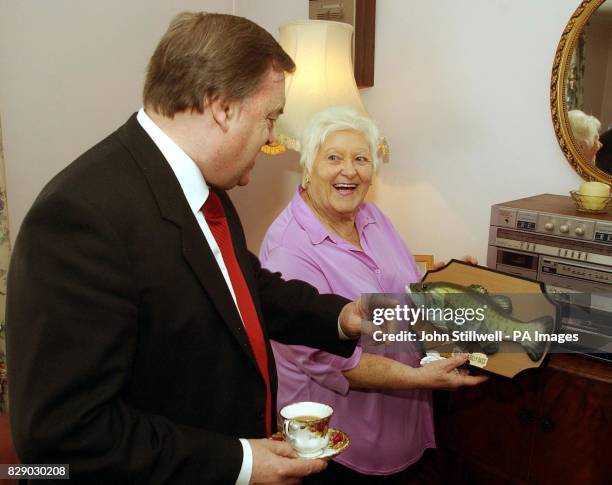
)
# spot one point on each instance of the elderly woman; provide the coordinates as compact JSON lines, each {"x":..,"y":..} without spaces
{"x":329,"y":237}
{"x":585,"y":129}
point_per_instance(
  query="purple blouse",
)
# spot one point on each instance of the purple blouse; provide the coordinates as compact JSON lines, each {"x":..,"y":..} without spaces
{"x":389,"y":431}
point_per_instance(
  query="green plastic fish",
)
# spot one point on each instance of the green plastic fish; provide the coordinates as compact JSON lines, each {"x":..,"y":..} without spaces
{"x":495,"y":310}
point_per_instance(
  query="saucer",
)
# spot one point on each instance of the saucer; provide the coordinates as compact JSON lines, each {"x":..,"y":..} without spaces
{"x":338,"y":442}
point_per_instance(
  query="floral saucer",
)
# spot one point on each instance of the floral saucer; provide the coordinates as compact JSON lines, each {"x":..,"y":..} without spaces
{"x":338,"y":442}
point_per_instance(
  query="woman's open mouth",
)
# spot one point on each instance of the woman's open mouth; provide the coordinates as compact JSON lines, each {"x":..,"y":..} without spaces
{"x":345,"y":189}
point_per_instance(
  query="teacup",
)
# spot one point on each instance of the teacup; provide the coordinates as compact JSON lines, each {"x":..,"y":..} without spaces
{"x":305,"y":426}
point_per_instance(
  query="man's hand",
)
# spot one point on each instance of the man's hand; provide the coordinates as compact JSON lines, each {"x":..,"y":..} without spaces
{"x":276,"y":462}
{"x":354,"y":314}
{"x":443,"y":374}
{"x":351,"y":318}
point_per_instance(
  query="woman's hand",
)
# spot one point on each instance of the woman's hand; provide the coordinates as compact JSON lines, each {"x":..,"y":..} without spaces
{"x":444,"y":374}
{"x":382,"y":374}
{"x":467,"y":259}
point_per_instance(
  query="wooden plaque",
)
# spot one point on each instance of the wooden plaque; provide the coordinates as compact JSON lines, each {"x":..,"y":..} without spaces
{"x":511,"y":358}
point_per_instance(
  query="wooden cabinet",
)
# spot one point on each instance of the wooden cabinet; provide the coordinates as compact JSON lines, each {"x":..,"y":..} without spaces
{"x":552,"y":425}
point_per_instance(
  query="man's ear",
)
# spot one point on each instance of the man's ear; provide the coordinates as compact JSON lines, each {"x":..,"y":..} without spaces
{"x":223,"y":111}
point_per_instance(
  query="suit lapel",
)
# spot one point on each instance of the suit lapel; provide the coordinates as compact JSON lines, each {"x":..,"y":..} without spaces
{"x":174,"y":208}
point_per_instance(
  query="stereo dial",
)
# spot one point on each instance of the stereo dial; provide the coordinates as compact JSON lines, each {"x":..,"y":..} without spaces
{"x":549,"y":226}
{"x":564,"y":228}
{"x":579,"y":231}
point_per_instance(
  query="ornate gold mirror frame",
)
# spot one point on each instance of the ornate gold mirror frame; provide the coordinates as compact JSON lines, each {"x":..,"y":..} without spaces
{"x":558,"y":88}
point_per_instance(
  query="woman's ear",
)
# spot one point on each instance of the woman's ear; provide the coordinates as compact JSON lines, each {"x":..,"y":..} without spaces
{"x":306,"y":179}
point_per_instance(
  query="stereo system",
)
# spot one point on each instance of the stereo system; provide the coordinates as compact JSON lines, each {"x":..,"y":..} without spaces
{"x":544,"y":238}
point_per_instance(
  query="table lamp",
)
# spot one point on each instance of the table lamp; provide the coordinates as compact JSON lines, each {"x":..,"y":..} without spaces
{"x":323,"y":77}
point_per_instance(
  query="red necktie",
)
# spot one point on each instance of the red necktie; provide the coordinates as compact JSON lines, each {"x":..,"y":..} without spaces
{"x":217,"y":222}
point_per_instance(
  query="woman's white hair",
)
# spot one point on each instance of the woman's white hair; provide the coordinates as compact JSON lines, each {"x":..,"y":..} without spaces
{"x":584,"y":127}
{"x":336,"y":118}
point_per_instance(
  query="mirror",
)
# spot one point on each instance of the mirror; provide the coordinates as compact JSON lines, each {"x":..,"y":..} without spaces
{"x":581,"y":91}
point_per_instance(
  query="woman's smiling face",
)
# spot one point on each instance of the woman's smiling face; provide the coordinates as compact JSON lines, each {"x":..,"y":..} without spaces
{"x":341,"y":174}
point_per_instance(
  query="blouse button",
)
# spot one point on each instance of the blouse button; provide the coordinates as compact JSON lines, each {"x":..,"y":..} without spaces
{"x":377,"y":270}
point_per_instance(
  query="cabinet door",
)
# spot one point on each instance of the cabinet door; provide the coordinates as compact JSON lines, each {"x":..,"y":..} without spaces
{"x":573,"y":432}
{"x":492,"y":423}
{"x":456,"y":469}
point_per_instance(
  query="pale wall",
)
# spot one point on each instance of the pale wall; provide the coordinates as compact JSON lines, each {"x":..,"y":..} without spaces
{"x":461,"y":92}
{"x":275,"y":178}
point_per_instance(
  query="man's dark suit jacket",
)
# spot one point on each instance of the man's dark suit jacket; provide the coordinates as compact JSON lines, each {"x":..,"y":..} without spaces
{"x":603,"y":159}
{"x":127,"y":357}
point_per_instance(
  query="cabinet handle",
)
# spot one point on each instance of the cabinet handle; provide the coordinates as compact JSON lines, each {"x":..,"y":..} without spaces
{"x":547,"y":424}
{"x":525,"y":416}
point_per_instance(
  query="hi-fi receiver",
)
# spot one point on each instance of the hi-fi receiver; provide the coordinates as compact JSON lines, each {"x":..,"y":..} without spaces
{"x":544,"y":238}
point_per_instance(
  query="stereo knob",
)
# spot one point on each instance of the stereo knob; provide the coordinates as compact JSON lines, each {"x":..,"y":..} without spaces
{"x":564,"y":228}
{"x":549,"y":226}
{"x":579,"y":231}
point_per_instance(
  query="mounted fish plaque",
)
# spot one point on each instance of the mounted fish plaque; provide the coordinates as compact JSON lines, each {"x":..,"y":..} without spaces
{"x":505,"y":323}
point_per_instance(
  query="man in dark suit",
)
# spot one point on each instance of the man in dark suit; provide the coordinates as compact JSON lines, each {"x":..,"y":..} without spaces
{"x":138,"y":322}
{"x":603,"y":159}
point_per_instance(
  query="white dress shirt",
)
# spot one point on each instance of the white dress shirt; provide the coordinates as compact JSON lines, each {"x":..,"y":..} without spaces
{"x":196,"y":192}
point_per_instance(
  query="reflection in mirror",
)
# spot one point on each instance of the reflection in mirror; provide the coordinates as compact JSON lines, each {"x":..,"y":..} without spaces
{"x":589,"y":89}
{"x":585,"y":130}
{"x":581,"y":90}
